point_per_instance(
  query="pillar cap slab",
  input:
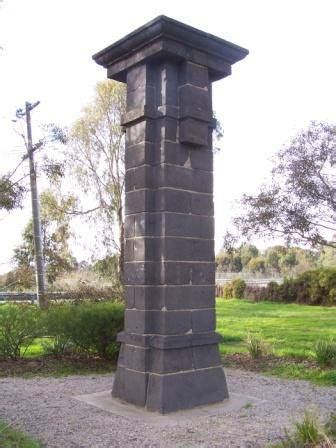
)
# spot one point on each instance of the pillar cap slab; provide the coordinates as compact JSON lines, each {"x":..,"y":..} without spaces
{"x":166,"y":38}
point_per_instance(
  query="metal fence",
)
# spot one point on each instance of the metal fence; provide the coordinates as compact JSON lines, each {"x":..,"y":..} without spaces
{"x":226,"y":277}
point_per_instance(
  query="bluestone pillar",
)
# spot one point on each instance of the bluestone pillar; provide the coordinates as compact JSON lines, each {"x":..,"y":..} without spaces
{"x":169,"y":357}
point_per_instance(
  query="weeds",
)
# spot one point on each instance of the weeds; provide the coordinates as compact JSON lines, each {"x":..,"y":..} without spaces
{"x":325,"y":352}
{"x":256,"y":346}
{"x":309,"y":433}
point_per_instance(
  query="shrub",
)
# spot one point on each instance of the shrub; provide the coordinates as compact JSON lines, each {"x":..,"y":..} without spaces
{"x":91,"y":327}
{"x":325,"y":352}
{"x":314,"y":287}
{"x":330,"y":426}
{"x":238,"y":288}
{"x":308,"y":431}
{"x":255,"y":346}
{"x":227,"y":290}
{"x":19,"y":326}
{"x":255,"y":293}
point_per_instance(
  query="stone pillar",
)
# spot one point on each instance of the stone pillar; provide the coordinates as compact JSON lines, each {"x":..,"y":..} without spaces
{"x":169,"y":357}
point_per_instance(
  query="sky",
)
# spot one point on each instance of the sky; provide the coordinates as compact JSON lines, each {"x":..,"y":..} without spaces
{"x":287,"y":80}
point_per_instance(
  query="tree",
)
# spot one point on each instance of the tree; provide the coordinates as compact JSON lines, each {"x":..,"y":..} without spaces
{"x":11,"y":193}
{"x":299,"y":203}
{"x":257,"y":265}
{"x":55,"y":229}
{"x":95,"y":153}
{"x":229,"y":261}
{"x":247,"y":252}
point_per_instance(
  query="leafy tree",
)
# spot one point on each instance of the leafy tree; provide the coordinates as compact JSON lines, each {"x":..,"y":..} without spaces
{"x":257,"y":265}
{"x":289,"y":260}
{"x":247,"y":252}
{"x":95,"y":153}
{"x":107,"y":267}
{"x":299,"y":203}
{"x":55,"y":229}
{"x":229,"y":261}
{"x":11,"y":193}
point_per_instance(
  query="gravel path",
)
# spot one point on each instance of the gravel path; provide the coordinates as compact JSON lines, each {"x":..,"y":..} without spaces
{"x":46,"y":409}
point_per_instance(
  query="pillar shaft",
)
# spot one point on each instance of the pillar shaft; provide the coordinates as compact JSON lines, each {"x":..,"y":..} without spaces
{"x":169,"y":357}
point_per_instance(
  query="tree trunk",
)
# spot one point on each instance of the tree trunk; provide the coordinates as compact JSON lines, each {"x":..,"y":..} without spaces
{"x":121,"y":244}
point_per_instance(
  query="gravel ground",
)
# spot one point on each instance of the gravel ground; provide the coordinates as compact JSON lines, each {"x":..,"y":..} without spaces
{"x":46,"y":409}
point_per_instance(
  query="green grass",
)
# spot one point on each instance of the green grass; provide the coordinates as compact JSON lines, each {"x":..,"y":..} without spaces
{"x":291,"y":330}
{"x":12,"y":438}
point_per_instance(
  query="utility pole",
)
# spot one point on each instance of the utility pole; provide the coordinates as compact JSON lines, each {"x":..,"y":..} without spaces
{"x":40,"y":281}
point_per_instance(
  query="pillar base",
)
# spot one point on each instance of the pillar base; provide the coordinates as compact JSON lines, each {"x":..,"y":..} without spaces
{"x":166,"y":380}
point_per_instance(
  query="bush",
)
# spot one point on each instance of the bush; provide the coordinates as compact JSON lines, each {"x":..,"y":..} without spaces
{"x":233,"y":289}
{"x":228,"y":291}
{"x":238,"y":288}
{"x":330,"y":426}
{"x":90,"y":327}
{"x":314,"y":287}
{"x":308,"y":431}
{"x":255,"y":346}
{"x":325,"y":352}
{"x":19,"y":326}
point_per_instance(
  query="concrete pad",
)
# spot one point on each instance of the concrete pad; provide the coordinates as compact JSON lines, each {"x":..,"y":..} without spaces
{"x":105,"y":401}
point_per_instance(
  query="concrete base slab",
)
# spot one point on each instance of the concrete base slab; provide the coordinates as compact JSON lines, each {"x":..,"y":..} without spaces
{"x":105,"y":401}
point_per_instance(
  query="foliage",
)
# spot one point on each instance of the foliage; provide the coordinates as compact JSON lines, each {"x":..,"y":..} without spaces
{"x":91,"y":327}
{"x":12,"y":438}
{"x":256,"y":264}
{"x":19,"y":326}
{"x":255,"y":346}
{"x":95,"y":154}
{"x":325,"y":352}
{"x":315,"y":287}
{"x":107,"y":267}
{"x":299,"y":202}
{"x":55,"y":228}
{"x":11,"y":193}
{"x":275,"y":260}
{"x":238,"y":288}
{"x":330,"y":426}
{"x":308,"y":433}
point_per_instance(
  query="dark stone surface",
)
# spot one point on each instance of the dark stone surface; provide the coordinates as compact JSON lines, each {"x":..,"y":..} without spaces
{"x":169,"y":357}
{"x":183,"y":390}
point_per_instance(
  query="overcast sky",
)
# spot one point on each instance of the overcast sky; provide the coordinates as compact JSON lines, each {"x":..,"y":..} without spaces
{"x":287,"y":80}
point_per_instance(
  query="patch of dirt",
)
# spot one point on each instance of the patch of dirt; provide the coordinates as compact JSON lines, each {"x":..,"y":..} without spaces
{"x":55,"y":365}
{"x":245,"y":362}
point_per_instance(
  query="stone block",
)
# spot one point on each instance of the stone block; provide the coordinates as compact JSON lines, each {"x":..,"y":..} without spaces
{"x":131,"y":386}
{"x":205,"y":356}
{"x":194,"y":74}
{"x":203,"y":273}
{"x":202,"y":204}
{"x":157,"y":322}
{"x":203,"y":320}
{"x":171,"y":200}
{"x":194,"y":132}
{"x":194,"y":103}
{"x":192,"y":226}
{"x":170,"y":297}
{"x":185,"y":390}
{"x":134,"y":357}
{"x":143,"y":131}
{"x":171,"y":360}
{"x":141,"y":153}
{"x":148,"y":224}
{"x":168,"y":81}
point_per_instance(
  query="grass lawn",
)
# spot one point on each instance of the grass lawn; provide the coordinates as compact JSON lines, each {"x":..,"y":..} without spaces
{"x":291,"y":331}
{"x":12,"y":438}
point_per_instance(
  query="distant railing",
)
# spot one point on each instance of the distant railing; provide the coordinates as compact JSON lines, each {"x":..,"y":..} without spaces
{"x":254,"y":280}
